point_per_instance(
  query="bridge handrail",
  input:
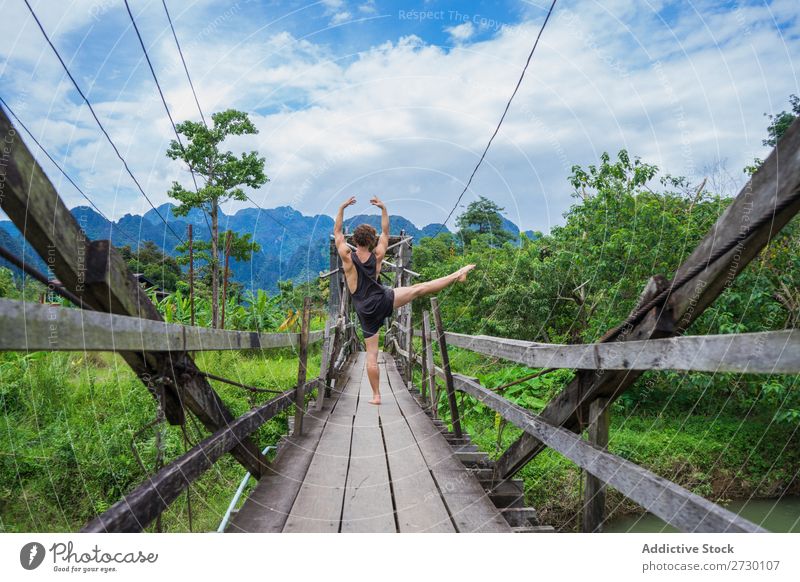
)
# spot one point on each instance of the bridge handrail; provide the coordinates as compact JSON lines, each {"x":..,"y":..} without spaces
{"x":767,"y":352}
{"x":33,"y":326}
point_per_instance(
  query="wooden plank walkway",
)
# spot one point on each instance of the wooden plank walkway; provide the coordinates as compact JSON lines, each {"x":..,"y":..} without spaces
{"x":365,"y":468}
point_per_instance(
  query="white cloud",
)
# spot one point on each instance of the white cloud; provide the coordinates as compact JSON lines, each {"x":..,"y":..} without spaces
{"x":409,"y":120}
{"x":368,"y":7}
{"x":341,"y":17}
{"x":461,"y":32}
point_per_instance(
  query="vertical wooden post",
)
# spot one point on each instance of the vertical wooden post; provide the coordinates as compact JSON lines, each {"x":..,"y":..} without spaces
{"x":451,"y":393}
{"x":431,"y":377}
{"x":399,"y":282}
{"x":191,"y":272}
{"x":225,"y":277}
{"x":595,"y":489}
{"x":423,"y":383}
{"x":409,"y":314}
{"x":324,"y":364}
{"x":334,"y":289}
{"x":299,"y":400}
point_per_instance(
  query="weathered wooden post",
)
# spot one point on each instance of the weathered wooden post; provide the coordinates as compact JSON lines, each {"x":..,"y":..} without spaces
{"x":400,"y":281}
{"x":325,"y":363}
{"x":334,"y":290}
{"x":299,"y":400}
{"x":430,"y":378}
{"x":424,"y":367}
{"x":451,"y":392}
{"x":191,"y":272}
{"x":407,"y":337}
{"x":595,"y":489}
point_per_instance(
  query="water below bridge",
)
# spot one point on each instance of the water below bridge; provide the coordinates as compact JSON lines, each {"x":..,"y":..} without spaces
{"x":776,"y":515}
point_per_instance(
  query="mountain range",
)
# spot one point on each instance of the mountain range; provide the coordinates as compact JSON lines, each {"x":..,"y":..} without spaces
{"x":293,"y":245}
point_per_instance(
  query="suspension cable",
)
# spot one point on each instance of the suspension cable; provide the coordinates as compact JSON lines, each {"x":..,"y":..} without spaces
{"x":502,"y":118}
{"x":97,"y":119}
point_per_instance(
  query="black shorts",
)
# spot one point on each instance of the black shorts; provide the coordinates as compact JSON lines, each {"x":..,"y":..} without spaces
{"x":374,"y":310}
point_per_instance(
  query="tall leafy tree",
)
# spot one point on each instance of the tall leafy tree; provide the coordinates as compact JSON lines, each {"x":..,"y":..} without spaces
{"x":483,"y":217}
{"x":223,"y":172}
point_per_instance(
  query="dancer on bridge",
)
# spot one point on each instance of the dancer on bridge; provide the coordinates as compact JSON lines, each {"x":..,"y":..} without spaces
{"x":373,"y":301}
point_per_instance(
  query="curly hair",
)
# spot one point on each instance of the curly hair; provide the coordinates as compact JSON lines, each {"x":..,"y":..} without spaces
{"x":366,"y":236}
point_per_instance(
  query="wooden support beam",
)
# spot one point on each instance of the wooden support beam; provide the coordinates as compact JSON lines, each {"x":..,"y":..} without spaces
{"x":777,"y":181}
{"x":33,"y":326}
{"x":400,"y":351}
{"x":325,"y":364}
{"x":451,"y":393}
{"x":767,"y":352}
{"x":334,"y":285}
{"x":302,"y":369}
{"x":595,"y":490}
{"x":145,"y":503}
{"x":424,"y":363}
{"x":408,"y":319}
{"x":672,"y":503}
{"x":99,"y":275}
{"x":431,"y":377}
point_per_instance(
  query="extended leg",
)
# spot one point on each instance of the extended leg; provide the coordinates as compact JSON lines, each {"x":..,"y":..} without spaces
{"x":403,"y":295}
{"x":373,"y":373}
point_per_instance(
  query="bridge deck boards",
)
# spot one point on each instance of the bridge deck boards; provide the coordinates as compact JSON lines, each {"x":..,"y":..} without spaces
{"x":365,"y":468}
{"x":269,"y":504}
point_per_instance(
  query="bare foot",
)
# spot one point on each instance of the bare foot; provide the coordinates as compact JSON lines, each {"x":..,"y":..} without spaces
{"x":462,"y":272}
{"x":375,"y":400}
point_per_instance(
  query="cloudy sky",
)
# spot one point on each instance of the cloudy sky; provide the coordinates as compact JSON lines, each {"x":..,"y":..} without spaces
{"x":399,"y":98}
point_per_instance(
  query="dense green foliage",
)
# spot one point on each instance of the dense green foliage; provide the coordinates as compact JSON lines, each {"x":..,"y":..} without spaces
{"x":584,"y":277}
{"x":153,"y":263}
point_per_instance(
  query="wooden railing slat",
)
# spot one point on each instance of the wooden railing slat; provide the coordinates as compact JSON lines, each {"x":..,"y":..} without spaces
{"x":33,"y":326}
{"x":769,"y":352}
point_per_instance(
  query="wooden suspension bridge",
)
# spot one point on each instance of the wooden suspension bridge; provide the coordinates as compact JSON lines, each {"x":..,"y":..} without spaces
{"x":348,"y":466}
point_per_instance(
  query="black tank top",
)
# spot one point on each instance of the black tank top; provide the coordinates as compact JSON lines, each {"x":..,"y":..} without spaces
{"x":367,"y":276}
{"x":372,"y":301}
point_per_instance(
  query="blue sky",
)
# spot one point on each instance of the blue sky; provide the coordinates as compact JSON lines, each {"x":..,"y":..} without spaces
{"x":399,"y":98}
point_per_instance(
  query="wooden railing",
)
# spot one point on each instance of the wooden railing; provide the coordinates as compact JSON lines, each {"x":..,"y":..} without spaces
{"x":649,"y":339}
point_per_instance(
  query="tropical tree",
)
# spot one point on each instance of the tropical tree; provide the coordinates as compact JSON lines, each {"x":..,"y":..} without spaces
{"x":483,"y":217}
{"x":241,"y":249}
{"x":150,"y":260}
{"x":224,"y":173}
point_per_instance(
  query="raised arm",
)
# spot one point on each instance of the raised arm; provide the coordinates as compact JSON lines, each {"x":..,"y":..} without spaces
{"x":383,"y":240}
{"x":338,"y":235}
